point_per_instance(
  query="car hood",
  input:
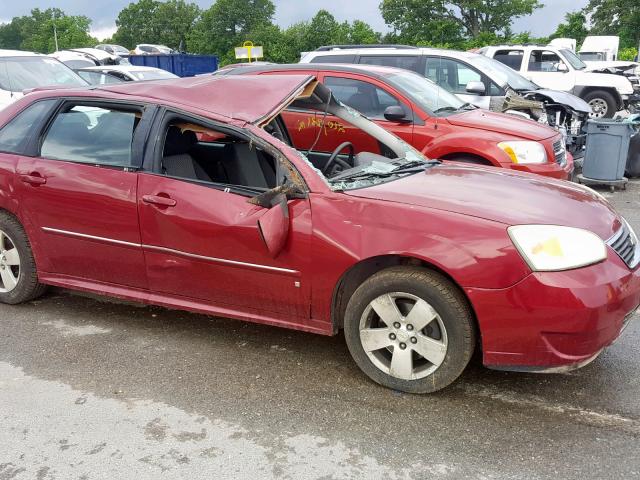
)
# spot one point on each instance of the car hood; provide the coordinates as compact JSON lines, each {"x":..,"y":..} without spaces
{"x":254,"y":99}
{"x":511,"y":198}
{"x":555,"y":96}
{"x":502,"y":123}
{"x":616,"y":64}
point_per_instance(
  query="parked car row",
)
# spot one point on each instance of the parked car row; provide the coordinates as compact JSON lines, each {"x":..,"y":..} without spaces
{"x":432,"y":120}
{"x":474,"y":78}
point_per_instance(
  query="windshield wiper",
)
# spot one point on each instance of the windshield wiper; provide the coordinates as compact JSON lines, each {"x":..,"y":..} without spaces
{"x":445,"y":109}
{"x":414,"y":166}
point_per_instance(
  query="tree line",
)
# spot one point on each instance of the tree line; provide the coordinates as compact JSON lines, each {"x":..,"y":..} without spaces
{"x":461,"y":24}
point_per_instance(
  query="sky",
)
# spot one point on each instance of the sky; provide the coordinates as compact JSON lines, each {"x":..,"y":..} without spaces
{"x":104,"y":12}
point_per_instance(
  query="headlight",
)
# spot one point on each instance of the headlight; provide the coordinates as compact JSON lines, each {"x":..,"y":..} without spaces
{"x":553,"y":248}
{"x":524,"y":152}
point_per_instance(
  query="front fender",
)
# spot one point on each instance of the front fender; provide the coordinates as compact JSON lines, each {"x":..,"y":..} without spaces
{"x":471,"y":250}
{"x":479,"y":143}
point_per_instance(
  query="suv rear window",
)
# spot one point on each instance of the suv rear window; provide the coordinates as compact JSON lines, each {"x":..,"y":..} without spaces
{"x":334,"y":59}
{"x":408,"y":62}
{"x":511,"y":58}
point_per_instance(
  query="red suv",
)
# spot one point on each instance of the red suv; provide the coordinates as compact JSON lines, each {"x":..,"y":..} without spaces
{"x":187,"y":193}
{"x":428,"y":117}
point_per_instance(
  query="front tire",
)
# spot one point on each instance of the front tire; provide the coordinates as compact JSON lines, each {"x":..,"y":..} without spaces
{"x":603,"y":104}
{"x":18,"y":274}
{"x":410,"y":329}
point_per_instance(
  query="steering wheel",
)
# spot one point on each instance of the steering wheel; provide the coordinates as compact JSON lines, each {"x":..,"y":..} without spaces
{"x":333,"y":159}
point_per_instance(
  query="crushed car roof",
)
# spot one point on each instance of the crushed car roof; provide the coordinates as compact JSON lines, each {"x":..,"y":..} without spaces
{"x":250,"y":99}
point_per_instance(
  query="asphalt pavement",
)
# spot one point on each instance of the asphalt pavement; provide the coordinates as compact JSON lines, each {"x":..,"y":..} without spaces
{"x":96,"y":389}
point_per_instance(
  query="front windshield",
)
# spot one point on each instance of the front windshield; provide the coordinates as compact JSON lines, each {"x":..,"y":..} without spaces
{"x":591,"y":56}
{"x":501,"y":74}
{"x":573,"y":59}
{"x":432,"y":98}
{"x":22,"y":73}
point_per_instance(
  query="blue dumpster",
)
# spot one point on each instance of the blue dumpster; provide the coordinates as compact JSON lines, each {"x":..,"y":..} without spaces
{"x":183,"y":65}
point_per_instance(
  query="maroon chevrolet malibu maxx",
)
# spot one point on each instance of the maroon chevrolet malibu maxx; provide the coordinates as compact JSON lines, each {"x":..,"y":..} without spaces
{"x":187,"y":193}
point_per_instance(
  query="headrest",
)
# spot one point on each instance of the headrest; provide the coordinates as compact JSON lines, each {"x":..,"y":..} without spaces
{"x":178,"y":142}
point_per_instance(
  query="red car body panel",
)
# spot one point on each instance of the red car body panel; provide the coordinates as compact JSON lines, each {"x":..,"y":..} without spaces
{"x":204,"y":253}
{"x":213,"y":96}
{"x":475,"y":133}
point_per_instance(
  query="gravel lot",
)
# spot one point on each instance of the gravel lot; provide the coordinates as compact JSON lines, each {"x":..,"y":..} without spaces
{"x":92,"y":389}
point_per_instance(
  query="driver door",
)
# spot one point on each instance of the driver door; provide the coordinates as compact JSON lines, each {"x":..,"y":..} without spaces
{"x":544,"y":68}
{"x":200,"y":233}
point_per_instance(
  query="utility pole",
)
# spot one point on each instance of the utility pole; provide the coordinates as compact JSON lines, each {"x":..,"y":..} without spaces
{"x":55,"y":31}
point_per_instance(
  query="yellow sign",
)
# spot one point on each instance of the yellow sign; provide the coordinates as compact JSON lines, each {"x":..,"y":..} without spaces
{"x":248,"y":50}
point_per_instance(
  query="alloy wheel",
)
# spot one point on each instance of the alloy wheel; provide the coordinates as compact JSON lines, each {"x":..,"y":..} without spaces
{"x":403,"y":336}
{"x":599,"y":108}
{"x":9,"y":264}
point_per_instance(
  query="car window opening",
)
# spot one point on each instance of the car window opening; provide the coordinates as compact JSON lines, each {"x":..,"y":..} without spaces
{"x":92,"y":134}
{"x":195,"y":152}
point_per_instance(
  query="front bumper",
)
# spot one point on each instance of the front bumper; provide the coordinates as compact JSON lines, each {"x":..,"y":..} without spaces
{"x":554,"y":321}
{"x":552,"y":170}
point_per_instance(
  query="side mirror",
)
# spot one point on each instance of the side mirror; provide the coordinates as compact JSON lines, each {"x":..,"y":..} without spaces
{"x":396,"y":113}
{"x":476,"y":88}
{"x":274,"y":226}
{"x":562,"y":68}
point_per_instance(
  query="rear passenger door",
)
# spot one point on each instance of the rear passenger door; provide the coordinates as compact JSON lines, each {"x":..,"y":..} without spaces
{"x":455,"y":75}
{"x":78,"y":193}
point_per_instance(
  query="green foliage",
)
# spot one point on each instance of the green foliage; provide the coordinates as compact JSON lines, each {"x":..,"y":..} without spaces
{"x":628,"y":54}
{"x":35,"y":32}
{"x":621,"y":17}
{"x":151,"y":21}
{"x":575,"y":26}
{"x":227,"y":24}
{"x":416,"y":21}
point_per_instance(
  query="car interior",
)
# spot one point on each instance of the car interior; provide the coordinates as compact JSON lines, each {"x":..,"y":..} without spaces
{"x":198,"y":153}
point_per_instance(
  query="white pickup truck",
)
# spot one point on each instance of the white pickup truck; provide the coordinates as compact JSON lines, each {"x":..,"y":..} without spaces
{"x":561,"y":69}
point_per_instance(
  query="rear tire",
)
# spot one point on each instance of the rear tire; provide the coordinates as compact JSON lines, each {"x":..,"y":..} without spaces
{"x":410,"y":329}
{"x":603,"y":104}
{"x":18,"y":274}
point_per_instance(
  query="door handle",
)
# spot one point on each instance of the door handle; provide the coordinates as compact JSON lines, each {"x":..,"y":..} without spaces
{"x":159,"y":200}
{"x":33,"y":179}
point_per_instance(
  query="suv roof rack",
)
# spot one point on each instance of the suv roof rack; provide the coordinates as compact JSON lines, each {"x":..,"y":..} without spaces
{"x":327,"y":48}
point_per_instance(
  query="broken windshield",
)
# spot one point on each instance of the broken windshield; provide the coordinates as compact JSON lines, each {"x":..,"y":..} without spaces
{"x":347,"y":149}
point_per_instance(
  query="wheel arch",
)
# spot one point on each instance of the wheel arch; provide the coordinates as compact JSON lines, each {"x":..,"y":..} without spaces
{"x":361,"y":271}
{"x":586,"y":90}
{"x":472,"y":158}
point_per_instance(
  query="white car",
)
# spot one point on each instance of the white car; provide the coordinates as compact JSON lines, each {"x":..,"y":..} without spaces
{"x":113,"y":49}
{"x":150,"y":49}
{"x":20,"y":71}
{"x":561,"y":69}
{"x":86,"y":57}
{"x":129,"y":73}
